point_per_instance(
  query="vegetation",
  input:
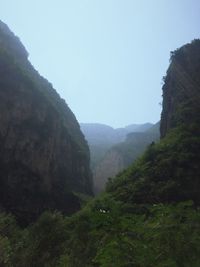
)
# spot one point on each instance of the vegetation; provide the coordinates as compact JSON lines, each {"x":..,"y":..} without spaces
{"x":163,"y":173}
{"x":106,"y":233}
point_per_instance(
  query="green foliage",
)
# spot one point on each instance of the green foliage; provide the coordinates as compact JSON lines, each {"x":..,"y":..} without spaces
{"x":9,"y":234}
{"x":109,"y":234}
{"x":44,"y":242}
{"x":163,"y":173}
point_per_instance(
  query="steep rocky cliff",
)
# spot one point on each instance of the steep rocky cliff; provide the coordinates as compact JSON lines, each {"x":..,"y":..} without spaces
{"x":44,"y":157}
{"x":181,"y":89}
{"x":169,"y":171}
{"x":111,"y":164}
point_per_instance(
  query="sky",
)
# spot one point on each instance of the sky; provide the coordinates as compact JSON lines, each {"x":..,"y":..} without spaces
{"x":106,"y":58}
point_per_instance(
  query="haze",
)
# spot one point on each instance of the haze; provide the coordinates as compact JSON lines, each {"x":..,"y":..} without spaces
{"x":106,"y":58}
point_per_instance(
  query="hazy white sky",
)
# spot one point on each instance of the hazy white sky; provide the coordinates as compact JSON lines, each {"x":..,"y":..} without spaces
{"x":106,"y":58}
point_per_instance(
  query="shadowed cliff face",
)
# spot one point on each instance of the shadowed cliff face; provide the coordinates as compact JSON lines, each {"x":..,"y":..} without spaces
{"x":181,"y":89}
{"x":44,"y":157}
{"x":109,"y":166}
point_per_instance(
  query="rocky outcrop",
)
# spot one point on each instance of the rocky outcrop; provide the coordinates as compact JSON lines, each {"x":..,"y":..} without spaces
{"x":111,"y":164}
{"x":44,"y":157}
{"x":181,"y":88}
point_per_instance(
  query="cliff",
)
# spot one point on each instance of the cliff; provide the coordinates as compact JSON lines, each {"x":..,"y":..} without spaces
{"x":111,"y":164}
{"x":44,"y":157}
{"x":169,"y":171}
{"x":181,"y":88}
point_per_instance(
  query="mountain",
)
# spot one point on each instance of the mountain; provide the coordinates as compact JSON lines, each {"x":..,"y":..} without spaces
{"x":138,"y":127}
{"x":102,"y":137}
{"x":44,"y":157}
{"x":123,"y":154}
{"x":97,"y":133}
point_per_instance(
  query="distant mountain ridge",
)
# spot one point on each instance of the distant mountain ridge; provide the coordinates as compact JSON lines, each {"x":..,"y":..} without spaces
{"x":112,"y":149}
{"x":97,"y":133}
{"x":101,"y":137}
{"x":123,"y":154}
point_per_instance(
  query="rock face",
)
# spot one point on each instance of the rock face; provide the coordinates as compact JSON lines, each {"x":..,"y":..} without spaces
{"x":181,"y":88}
{"x":109,"y":166}
{"x":44,"y":157}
